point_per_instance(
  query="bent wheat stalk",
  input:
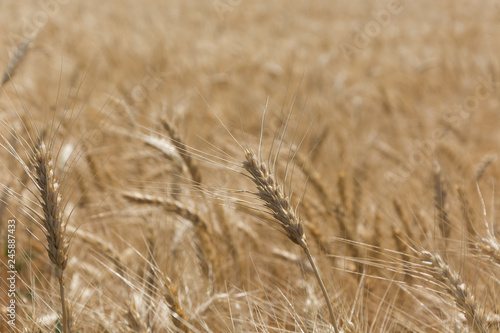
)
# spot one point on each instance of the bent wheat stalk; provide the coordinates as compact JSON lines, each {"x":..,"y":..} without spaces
{"x":273,"y":196}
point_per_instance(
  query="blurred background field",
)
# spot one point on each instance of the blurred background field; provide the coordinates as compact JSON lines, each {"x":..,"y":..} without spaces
{"x":397,"y":103}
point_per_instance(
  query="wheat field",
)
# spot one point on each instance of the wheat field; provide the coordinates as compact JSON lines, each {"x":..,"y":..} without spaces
{"x":249,"y":166}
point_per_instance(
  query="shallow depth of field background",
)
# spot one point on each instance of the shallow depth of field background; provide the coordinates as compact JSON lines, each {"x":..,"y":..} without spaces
{"x":398,"y":110}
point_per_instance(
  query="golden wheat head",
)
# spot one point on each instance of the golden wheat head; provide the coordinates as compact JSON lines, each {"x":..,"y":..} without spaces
{"x":272,"y":194}
{"x":46,"y":181}
{"x":48,"y":186}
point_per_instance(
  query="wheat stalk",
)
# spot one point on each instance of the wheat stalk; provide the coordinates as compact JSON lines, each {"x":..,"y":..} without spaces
{"x":15,"y":61}
{"x":476,"y":317}
{"x":133,"y":318}
{"x":183,"y":152}
{"x":485,"y":162}
{"x":402,"y":248}
{"x":179,"y":317}
{"x":491,"y":247}
{"x":46,"y":181}
{"x":273,"y":196}
{"x":440,"y":203}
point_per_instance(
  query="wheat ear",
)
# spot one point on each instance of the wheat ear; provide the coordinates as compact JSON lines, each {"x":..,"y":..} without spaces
{"x":273,"y":196}
{"x":440,"y":203}
{"x":179,"y":317}
{"x":47,"y":184}
{"x":183,"y":152}
{"x":16,"y":59}
{"x":476,"y":317}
